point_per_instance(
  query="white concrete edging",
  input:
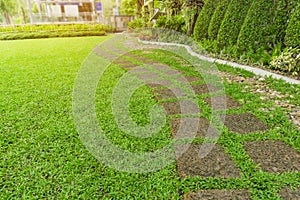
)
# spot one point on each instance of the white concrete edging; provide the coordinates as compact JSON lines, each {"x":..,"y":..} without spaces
{"x":254,"y":70}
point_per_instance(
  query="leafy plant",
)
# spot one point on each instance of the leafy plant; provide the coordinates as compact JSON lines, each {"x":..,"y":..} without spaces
{"x":288,"y":61}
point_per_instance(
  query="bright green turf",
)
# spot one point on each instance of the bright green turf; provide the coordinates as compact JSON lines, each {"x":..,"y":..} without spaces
{"x":42,"y":156}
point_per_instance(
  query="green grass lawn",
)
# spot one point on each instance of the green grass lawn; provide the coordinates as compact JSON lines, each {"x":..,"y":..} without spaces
{"x":42,"y":156}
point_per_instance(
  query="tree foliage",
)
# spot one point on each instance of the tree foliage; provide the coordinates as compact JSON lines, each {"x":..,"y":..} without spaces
{"x":7,"y":8}
{"x":128,"y":7}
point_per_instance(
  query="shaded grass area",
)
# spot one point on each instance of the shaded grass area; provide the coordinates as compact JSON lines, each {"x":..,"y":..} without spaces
{"x":42,"y":156}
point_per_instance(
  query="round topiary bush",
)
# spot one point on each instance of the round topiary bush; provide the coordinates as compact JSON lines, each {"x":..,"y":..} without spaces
{"x":292,"y":38}
{"x":216,"y":19}
{"x":232,"y":22}
{"x":203,"y":20}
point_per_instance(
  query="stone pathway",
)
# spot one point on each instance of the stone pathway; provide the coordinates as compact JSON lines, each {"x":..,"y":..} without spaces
{"x":272,"y":156}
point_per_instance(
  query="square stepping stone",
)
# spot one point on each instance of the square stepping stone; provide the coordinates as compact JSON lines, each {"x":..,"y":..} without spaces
{"x":216,"y":163}
{"x":244,"y":123}
{"x":218,"y":194}
{"x":188,"y":79}
{"x":172,"y":72}
{"x":192,"y":127}
{"x":158,"y":83}
{"x":204,"y":88}
{"x":288,"y":194}
{"x":159,"y":66}
{"x":148,"y":76}
{"x":139,"y":70}
{"x":168,"y":93}
{"x":274,"y":156}
{"x":184,"y":107}
{"x":222,"y":102}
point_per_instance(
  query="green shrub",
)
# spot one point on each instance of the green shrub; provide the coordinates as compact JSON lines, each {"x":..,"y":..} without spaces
{"x":256,"y":30}
{"x":176,"y":23}
{"x":203,"y":21}
{"x":136,"y":24}
{"x":288,"y":61}
{"x":36,"y":35}
{"x":232,"y":22}
{"x":216,"y":19}
{"x":292,"y":38}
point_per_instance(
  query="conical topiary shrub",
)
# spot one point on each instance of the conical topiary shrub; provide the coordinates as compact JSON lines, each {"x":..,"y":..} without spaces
{"x":203,"y":20}
{"x":292,"y":38}
{"x":216,"y":19}
{"x":232,"y":22}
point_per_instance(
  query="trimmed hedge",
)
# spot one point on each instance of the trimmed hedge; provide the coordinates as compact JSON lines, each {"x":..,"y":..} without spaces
{"x":38,"y":35}
{"x":256,"y":31}
{"x":232,"y":22}
{"x":216,"y":19}
{"x":203,"y":21}
{"x":292,"y":38}
{"x":57,"y":27}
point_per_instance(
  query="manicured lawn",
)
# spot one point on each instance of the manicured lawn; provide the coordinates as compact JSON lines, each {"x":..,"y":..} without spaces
{"x":42,"y":156}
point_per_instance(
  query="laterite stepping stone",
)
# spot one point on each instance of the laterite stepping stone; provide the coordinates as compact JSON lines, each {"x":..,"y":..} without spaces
{"x":216,"y":164}
{"x":204,"y":88}
{"x":244,"y":123}
{"x":191,"y":127}
{"x":157,"y":83}
{"x":183,"y":107}
{"x":148,"y":76}
{"x":274,"y":156}
{"x":222,"y":102}
{"x":172,"y":72}
{"x":288,"y":194}
{"x":168,"y":93}
{"x":218,"y":194}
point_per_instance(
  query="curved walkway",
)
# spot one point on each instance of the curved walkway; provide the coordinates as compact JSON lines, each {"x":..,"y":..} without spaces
{"x":254,"y":70}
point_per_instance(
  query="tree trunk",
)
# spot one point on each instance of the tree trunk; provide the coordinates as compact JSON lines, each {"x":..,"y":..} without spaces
{"x":23,"y":14}
{"x":7,"y":18}
{"x":193,"y":23}
{"x":140,"y":4}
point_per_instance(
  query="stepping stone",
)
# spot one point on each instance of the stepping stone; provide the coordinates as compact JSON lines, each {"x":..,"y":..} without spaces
{"x":244,"y":123}
{"x":159,"y":66}
{"x":174,"y":108}
{"x":274,"y":156}
{"x":204,"y":88}
{"x":216,"y":163}
{"x":288,"y":194}
{"x":172,"y":72}
{"x":218,"y":194}
{"x":103,"y":53}
{"x":168,"y":93}
{"x":192,"y":78}
{"x":222,"y":102}
{"x":148,"y":76}
{"x":191,"y":127}
{"x":157,"y":83}
{"x":139,"y":70}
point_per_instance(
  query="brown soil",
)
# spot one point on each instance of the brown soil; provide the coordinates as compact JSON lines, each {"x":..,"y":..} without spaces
{"x":218,"y":194}
{"x":288,"y":194}
{"x":222,"y":102}
{"x":216,"y":164}
{"x":274,"y":156}
{"x":244,"y":123}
